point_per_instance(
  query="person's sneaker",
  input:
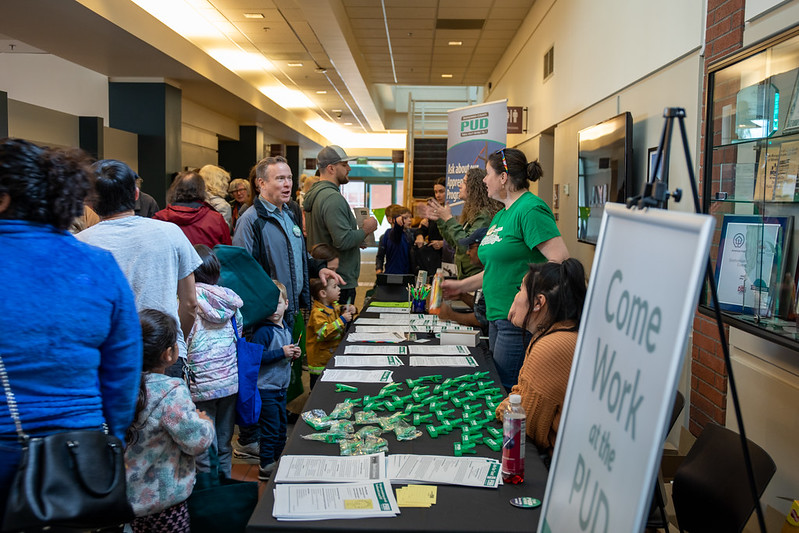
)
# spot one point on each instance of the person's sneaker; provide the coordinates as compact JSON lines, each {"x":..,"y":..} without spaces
{"x":265,"y":472}
{"x":249,"y":451}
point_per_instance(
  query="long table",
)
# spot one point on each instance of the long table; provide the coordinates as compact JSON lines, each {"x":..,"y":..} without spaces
{"x":458,"y":509}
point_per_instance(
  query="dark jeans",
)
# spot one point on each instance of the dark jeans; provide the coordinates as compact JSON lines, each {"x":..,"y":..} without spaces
{"x":272,"y":425}
{"x":508,"y":345}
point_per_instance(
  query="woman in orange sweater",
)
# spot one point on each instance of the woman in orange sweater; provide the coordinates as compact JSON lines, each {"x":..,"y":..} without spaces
{"x":549,"y":305}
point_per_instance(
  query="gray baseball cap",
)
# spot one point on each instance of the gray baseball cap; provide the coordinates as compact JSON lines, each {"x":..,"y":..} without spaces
{"x":330,"y":155}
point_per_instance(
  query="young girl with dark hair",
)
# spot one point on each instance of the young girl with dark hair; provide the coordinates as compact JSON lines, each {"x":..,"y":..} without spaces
{"x":549,"y":305}
{"x":166,"y":435}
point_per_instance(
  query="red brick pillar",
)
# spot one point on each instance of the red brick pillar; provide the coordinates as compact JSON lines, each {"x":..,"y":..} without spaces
{"x":708,"y":398}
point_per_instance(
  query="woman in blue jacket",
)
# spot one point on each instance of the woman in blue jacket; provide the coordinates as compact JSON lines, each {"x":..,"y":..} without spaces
{"x":71,"y":341}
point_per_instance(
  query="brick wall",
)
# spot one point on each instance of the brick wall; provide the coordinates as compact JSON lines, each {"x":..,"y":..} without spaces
{"x":708,"y":397}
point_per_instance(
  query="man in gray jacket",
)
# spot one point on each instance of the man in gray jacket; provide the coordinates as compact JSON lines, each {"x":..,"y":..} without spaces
{"x":270,"y":233}
{"x":331,"y":221}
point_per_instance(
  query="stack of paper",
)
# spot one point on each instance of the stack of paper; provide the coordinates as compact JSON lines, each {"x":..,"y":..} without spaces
{"x":392,"y":336}
{"x":361,"y":361}
{"x":451,"y":349}
{"x":443,"y":361}
{"x":417,"y":495}
{"x":323,"y":501}
{"x":357,"y":376}
{"x":443,"y":470}
{"x":318,"y":468}
{"x":385,"y":328}
{"x":375,"y":350}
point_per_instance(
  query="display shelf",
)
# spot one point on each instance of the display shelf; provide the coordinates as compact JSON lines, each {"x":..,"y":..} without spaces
{"x":752,"y":186}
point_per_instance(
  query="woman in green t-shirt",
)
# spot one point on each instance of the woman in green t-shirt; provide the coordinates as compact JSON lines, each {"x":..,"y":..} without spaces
{"x":523,"y":232}
{"x":478,"y":210}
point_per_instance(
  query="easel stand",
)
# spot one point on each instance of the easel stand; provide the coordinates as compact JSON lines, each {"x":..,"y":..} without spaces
{"x":656,"y":194}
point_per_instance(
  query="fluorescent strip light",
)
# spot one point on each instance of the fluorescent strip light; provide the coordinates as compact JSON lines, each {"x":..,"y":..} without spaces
{"x":295,"y":64}
{"x":455,"y":43}
{"x":388,"y":40}
{"x":321,"y":92}
{"x":446,"y":75}
{"x":253,"y":15}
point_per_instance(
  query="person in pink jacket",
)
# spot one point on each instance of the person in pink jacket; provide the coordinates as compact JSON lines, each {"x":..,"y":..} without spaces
{"x":212,"y":367}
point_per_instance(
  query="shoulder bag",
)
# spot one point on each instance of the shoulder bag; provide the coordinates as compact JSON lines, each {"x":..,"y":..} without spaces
{"x":248,"y":401}
{"x":72,"y":479}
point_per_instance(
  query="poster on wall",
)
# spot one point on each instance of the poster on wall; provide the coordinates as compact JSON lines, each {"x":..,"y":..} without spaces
{"x":474,"y":133}
{"x":627,"y":361}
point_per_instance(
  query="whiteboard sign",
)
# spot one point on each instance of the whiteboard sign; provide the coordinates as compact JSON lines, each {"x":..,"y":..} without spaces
{"x":639,"y":307}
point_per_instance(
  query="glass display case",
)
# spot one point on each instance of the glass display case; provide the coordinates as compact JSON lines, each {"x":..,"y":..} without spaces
{"x":752,"y":160}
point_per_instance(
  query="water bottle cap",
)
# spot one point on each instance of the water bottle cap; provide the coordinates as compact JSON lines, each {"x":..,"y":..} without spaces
{"x":515,"y":398}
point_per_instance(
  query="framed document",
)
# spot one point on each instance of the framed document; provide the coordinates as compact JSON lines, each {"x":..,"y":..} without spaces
{"x":751,"y":262}
{"x":792,"y":120}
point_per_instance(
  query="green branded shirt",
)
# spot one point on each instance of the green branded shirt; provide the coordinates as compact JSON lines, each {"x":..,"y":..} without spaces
{"x":509,"y":246}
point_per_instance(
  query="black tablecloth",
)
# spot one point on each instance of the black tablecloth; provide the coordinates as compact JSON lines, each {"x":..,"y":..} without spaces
{"x":457,"y":508}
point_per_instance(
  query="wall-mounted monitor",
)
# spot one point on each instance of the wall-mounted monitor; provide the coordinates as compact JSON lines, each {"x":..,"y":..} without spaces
{"x":604,"y":172}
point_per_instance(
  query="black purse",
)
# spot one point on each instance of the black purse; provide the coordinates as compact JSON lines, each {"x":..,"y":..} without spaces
{"x":73,"y":479}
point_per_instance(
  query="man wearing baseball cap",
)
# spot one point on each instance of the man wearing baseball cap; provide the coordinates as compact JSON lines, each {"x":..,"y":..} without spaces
{"x":330,"y":220}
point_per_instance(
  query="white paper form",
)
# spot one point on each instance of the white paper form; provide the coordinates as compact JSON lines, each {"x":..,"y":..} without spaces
{"x":375,"y":349}
{"x":439,"y":350}
{"x":357,"y":376}
{"x":327,"y":468}
{"x":376,"y":337}
{"x":440,"y":469}
{"x":360,"y":361}
{"x":392,"y":310}
{"x":392,"y":319}
{"x":385,"y":328}
{"x":442,"y":361}
{"x":334,"y":500}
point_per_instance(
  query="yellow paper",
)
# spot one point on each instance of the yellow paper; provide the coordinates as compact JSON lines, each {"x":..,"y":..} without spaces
{"x":417,"y":495}
{"x":357,"y":504}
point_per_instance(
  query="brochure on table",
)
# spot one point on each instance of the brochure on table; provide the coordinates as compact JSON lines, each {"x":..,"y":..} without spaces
{"x":640,"y":305}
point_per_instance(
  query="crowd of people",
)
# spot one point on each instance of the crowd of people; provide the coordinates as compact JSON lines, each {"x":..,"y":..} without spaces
{"x":135,"y":303}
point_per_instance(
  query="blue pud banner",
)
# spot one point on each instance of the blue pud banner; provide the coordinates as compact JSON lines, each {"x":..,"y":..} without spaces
{"x":475,"y":132}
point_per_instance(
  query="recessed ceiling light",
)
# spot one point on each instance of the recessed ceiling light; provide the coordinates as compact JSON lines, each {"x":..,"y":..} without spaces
{"x":295,"y":64}
{"x":335,"y":110}
{"x":253,"y":15}
{"x":321,"y":92}
{"x":446,"y":75}
{"x":456,"y":43}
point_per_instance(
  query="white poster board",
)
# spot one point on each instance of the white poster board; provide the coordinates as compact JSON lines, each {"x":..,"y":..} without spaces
{"x":641,"y":300}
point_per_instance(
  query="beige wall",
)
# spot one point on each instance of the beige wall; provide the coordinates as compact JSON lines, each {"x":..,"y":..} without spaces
{"x":122,"y":145}
{"x":49,"y":81}
{"x":41,"y":125}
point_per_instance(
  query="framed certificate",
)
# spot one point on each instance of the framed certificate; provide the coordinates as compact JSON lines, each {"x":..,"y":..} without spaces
{"x":751,"y":262}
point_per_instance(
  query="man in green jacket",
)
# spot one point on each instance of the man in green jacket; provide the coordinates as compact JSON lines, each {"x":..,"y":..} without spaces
{"x":331,"y":221}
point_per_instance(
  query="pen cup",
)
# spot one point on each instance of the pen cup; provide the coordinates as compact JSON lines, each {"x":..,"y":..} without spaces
{"x":418,"y":305}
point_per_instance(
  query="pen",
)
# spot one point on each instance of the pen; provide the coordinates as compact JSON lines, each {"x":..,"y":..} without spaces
{"x":299,"y":339}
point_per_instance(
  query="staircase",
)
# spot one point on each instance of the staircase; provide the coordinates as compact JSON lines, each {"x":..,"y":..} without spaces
{"x":429,"y":164}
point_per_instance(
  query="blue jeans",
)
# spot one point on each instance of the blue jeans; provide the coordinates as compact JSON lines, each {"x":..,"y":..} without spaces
{"x":272,"y":425}
{"x":223,"y":412}
{"x":508,"y":345}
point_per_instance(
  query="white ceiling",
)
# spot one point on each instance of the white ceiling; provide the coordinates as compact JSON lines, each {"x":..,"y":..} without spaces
{"x":343,"y":46}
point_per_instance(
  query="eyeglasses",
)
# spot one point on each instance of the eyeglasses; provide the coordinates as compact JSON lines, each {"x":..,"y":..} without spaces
{"x":238,"y":190}
{"x":504,"y":161}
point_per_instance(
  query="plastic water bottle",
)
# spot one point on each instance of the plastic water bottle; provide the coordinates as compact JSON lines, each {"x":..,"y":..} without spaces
{"x":514,"y":429}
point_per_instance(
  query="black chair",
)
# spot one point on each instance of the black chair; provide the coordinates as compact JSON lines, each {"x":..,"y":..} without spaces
{"x":657,"y":509}
{"x":710,"y":491}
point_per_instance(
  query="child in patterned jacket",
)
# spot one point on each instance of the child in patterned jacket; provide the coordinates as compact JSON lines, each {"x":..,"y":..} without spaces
{"x":166,"y":434}
{"x":325,"y":325}
{"x":212,"y":362}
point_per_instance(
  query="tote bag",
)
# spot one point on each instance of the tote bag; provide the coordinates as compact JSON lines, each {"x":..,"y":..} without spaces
{"x":248,"y":401}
